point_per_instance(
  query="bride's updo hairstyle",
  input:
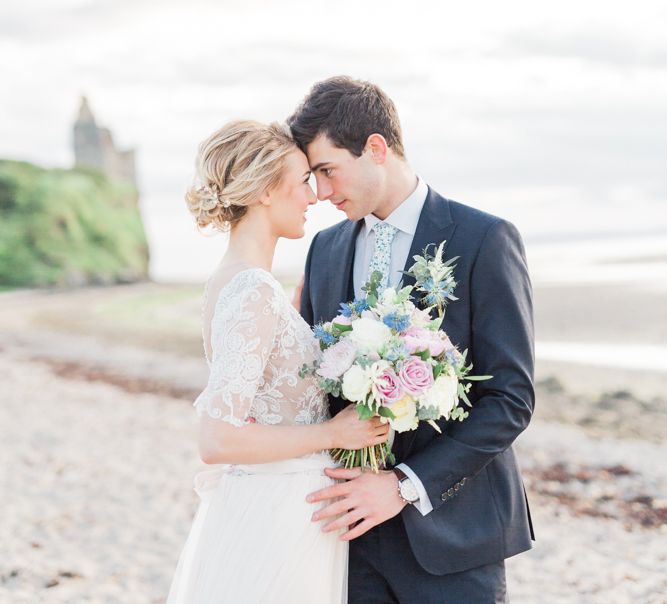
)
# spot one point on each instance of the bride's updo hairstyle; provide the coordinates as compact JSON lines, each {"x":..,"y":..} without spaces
{"x":235,"y":166}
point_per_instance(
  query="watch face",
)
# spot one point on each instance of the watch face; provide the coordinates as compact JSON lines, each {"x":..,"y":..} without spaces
{"x":409,"y":491}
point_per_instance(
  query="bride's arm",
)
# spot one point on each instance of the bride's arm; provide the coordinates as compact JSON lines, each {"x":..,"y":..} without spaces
{"x":247,"y":323}
{"x":222,"y":442}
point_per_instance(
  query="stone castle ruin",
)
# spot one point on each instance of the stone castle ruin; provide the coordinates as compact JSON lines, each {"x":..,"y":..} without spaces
{"x":94,"y":147}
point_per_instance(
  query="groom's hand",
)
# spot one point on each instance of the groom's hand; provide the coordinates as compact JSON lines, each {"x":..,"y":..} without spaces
{"x":365,"y":500}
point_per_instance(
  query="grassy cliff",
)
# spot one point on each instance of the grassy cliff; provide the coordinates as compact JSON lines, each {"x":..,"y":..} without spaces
{"x":68,"y":227}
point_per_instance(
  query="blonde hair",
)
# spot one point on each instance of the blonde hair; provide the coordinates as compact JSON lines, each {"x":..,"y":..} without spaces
{"x":235,"y":165}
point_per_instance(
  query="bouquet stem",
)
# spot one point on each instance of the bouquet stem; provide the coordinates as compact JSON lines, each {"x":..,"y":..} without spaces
{"x":374,"y":458}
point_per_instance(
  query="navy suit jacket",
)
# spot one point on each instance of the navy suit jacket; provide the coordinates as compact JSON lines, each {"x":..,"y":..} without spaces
{"x":469,"y":471}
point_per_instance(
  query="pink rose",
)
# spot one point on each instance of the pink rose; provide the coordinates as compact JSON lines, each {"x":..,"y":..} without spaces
{"x":446,"y":341}
{"x":419,"y":340}
{"x":437,"y":344}
{"x":342,"y":320}
{"x":337,"y":359}
{"x":387,"y":387}
{"x":415,"y":376}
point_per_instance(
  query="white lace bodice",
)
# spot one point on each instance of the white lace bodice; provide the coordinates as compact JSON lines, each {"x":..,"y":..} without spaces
{"x":258,"y":343}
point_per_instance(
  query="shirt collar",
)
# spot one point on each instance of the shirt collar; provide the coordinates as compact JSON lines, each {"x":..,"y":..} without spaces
{"x":406,"y":216}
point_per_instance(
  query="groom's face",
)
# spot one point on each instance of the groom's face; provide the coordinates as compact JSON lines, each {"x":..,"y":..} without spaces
{"x":352,"y":184}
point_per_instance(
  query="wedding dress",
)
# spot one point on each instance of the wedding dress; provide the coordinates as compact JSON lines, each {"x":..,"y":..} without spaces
{"x":252,"y":540}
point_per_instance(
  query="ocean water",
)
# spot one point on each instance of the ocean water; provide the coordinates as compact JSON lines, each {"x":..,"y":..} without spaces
{"x":627,"y":356}
{"x":565,"y":242}
{"x":567,"y":245}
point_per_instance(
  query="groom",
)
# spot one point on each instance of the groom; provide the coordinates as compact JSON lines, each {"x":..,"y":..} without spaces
{"x":438,"y":526}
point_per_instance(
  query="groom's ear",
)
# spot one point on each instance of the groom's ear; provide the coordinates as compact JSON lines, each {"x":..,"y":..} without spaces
{"x":377,"y":147}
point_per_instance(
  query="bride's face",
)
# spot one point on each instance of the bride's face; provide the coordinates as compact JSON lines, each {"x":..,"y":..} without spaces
{"x":289,"y":201}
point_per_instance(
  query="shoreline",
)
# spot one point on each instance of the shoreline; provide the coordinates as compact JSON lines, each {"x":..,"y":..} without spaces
{"x":146,"y":338}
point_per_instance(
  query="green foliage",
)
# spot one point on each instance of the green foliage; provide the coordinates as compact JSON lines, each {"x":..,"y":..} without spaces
{"x":403,"y":295}
{"x":426,"y":413}
{"x":463,"y":393}
{"x":424,"y":355}
{"x":332,"y":387}
{"x":364,"y":411}
{"x":458,"y":414}
{"x":68,"y":227}
{"x":386,"y":412}
{"x":371,"y":288}
{"x":337,"y":329}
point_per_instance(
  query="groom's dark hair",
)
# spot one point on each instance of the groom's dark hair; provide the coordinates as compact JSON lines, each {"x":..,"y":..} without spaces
{"x":347,"y":111}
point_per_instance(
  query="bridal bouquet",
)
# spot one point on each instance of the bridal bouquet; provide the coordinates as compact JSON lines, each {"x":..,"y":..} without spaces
{"x":392,"y":359}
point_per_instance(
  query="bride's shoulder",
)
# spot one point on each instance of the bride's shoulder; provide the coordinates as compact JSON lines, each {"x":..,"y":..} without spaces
{"x":255,"y":277}
{"x":249,"y":282}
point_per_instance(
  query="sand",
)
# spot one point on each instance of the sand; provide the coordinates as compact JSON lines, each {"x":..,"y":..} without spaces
{"x":99,"y":453}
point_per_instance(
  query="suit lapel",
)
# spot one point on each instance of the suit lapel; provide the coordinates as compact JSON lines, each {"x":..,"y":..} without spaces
{"x":435,"y":225}
{"x":341,"y":261}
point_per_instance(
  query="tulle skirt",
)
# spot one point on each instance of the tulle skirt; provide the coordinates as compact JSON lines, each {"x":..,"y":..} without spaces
{"x":252,"y":540}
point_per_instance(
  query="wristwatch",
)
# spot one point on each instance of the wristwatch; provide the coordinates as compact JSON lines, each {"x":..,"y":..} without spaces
{"x":406,"y":488}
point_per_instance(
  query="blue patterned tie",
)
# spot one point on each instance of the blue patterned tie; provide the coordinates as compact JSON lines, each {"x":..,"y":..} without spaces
{"x":384,"y":235}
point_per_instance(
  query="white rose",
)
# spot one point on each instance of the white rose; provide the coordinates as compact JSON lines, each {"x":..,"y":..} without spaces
{"x":388,"y":304}
{"x":443,"y":395}
{"x":405,"y":412}
{"x":369,"y":333}
{"x":388,"y":295}
{"x":356,"y":384}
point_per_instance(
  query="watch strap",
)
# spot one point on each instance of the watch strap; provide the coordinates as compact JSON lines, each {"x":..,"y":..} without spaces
{"x":400,"y":474}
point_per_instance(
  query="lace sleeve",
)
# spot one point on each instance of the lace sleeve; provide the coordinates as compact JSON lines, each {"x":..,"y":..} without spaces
{"x":243,"y":330}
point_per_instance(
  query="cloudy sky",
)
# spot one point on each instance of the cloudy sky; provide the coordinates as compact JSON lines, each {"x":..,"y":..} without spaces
{"x":550,"y":115}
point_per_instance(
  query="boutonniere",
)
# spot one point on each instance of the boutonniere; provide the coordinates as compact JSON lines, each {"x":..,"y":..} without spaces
{"x":434,"y":278}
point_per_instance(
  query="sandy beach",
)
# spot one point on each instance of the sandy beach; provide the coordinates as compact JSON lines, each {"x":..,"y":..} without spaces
{"x":99,"y":449}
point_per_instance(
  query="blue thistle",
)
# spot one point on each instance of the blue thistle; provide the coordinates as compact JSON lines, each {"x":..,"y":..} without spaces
{"x":396,"y":322}
{"x":360,"y":305}
{"x":438,"y":293}
{"x":323,"y":335}
{"x":395,"y":351}
{"x":454,"y":358}
{"x":353,"y":308}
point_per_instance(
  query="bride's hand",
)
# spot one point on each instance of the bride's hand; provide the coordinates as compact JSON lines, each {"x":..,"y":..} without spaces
{"x":350,"y":432}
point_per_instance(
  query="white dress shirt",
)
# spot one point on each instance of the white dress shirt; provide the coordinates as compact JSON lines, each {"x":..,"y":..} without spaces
{"x":405,"y":218}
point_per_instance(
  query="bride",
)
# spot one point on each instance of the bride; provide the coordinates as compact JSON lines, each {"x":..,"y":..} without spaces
{"x":263,"y":430}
